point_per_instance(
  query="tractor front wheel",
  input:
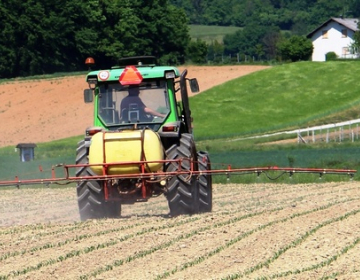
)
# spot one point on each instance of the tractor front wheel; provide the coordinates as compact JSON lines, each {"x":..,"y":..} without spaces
{"x":90,"y":193}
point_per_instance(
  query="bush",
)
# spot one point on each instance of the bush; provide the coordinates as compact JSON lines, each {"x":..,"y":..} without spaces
{"x":330,"y":56}
{"x":296,"y":48}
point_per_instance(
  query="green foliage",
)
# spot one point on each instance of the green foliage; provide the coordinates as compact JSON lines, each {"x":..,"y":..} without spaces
{"x":197,"y":51}
{"x":331,"y":56}
{"x":215,"y":49}
{"x":299,"y":16}
{"x":296,"y":48}
{"x":46,"y":37}
{"x":253,"y":40}
{"x":41,"y":37}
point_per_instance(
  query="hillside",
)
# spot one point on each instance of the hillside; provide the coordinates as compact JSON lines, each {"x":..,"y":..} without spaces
{"x":294,"y":95}
{"x":45,"y":110}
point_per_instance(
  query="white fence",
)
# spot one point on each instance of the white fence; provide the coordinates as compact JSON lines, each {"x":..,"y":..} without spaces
{"x":337,"y":132}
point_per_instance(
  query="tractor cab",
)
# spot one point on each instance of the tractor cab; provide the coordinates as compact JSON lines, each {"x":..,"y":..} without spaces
{"x":119,"y":105}
{"x":138,"y":93}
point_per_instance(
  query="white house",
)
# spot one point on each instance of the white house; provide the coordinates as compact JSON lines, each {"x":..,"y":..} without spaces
{"x":334,"y":35}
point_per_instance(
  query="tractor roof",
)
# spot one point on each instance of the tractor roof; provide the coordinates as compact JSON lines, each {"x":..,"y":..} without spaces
{"x":147,"y":72}
{"x":145,"y":65}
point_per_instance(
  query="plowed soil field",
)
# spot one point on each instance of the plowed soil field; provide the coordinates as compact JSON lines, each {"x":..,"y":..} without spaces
{"x":45,"y":110}
{"x":258,"y":231}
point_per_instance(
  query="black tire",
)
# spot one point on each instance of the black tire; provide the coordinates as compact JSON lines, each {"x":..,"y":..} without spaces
{"x":205,"y":183}
{"x":90,"y":194}
{"x":182,"y":190}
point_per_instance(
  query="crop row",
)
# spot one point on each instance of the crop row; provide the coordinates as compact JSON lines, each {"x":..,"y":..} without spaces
{"x":143,"y":253}
{"x":40,"y":231}
{"x":72,"y":241}
{"x":229,"y":243}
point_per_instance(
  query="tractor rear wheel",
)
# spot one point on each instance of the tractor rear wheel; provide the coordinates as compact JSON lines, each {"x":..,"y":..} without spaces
{"x":183,"y":189}
{"x":205,"y":182}
{"x":90,"y":194}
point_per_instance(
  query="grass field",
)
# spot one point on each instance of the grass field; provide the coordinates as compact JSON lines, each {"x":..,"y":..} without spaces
{"x":288,"y":96}
{"x":210,"y":34}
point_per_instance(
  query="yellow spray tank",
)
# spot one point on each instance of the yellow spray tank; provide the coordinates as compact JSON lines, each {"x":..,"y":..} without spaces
{"x":126,"y":146}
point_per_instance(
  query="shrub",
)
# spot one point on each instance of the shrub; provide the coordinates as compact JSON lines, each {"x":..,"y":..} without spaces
{"x":296,"y":48}
{"x":331,"y":56}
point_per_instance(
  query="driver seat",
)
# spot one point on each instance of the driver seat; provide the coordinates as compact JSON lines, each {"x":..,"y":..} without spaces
{"x":131,"y":114}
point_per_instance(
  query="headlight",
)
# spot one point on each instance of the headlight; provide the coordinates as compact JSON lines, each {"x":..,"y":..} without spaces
{"x":170,"y":75}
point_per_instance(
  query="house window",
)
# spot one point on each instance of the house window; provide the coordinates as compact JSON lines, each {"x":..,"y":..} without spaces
{"x":344,"y":33}
{"x":345,"y":50}
{"x":325,"y":34}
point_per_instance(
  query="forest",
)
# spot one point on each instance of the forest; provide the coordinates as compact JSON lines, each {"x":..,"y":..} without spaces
{"x":298,"y":16}
{"x":41,"y":36}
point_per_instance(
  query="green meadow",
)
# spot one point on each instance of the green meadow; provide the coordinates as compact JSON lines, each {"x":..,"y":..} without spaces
{"x":287,"y":96}
{"x":284,"y":97}
{"x":211,"y":34}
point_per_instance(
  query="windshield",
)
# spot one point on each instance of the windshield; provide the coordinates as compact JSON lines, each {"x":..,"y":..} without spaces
{"x":144,"y":103}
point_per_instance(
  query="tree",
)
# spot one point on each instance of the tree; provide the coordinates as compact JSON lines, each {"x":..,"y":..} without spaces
{"x":197,"y":51}
{"x":42,"y":36}
{"x":253,"y":40}
{"x":270,"y":42}
{"x":353,"y":8}
{"x":8,"y":54}
{"x":296,"y":48}
{"x":140,"y":27}
{"x":355,"y":46}
{"x":215,"y":49}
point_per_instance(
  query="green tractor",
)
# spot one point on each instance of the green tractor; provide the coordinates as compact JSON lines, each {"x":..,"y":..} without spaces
{"x":141,"y":142}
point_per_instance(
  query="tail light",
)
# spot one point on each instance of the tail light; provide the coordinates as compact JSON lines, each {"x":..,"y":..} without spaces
{"x":90,"y":131}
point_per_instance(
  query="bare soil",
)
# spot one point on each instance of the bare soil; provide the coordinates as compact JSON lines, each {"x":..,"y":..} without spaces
{"x":37,"y":111}
{"x":255,"y":231}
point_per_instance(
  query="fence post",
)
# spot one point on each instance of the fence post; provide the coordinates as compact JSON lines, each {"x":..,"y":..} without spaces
{"x":327,"y":136}
{"x":340,"y":134}
{"x":321,"y":137}
{"x":313,"y":135}
{"x":350,"y":132}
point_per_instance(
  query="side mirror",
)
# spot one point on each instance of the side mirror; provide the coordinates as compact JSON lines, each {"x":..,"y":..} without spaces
{"x":194,"y":86}
{"x":88,"y":95}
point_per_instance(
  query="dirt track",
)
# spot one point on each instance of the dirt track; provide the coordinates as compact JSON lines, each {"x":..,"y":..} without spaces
{"x":260,"y":230}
